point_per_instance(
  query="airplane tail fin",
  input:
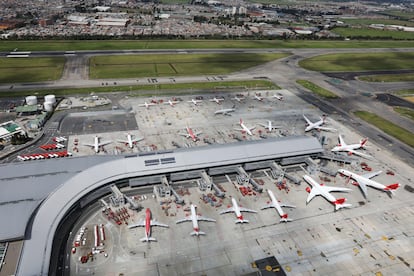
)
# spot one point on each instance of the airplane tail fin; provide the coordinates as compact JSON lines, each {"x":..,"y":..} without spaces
{"x":241,"y":121}
{"x":145,"y":239}
{"x":363,"y":142}
{"x":284,"y":218}
{"x":391,"y":188}
{"x":241,"y":221}
{"x":197,"y":233}
{"x":340,"y":203}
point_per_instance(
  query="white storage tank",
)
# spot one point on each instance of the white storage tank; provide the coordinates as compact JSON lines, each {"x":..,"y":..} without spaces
{"x":50,"y":98}
{"x":31,"y":100}
{"x":48,"y":106}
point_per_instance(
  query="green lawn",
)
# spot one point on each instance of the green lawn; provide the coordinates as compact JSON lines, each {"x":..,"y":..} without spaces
{"x":405,"y":92}
{"x":407,"y":112}
{"x":349,"y":62}
{"x":149,"y":89}
{"x":365,"y":32}
{"x":385,"y":21}
{"x":132,"y":66}
{"x":388,"y":78}
{"x":388,"y":127}
{"x":30,"y":69}
{"x":77,"y":45}
{"x":317,"y":89}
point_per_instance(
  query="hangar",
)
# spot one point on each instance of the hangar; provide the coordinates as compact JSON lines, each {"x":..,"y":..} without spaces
{"x":49,"y":190}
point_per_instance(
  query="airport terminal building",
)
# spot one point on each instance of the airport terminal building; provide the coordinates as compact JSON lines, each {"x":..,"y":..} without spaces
{"x":43,"y":195}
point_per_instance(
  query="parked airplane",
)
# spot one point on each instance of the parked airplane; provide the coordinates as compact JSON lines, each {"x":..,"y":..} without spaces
{"x":269,"y":126}
{"x":225,"y":111}
{"x":130,"y":142}
{"x":147,"y":224}
{"x":216,"y":100}
{"x":172,"y":103}
{"x":244,"y":128}
{"x":96,"y":145}
{"x":278,"y":206}
{"x":279,"y":97}
{"x":258,"y":97}
{"x":239,"y":99}
{"x":351,"y":149}
{"x":147,"y":105}
{"x":237,"y":210}
{"x":190,"y":134}
{"x":364,"y":180}
{"x":195,"y":218}
{"x":195,"y":102}
{"x":320,"y":189}
{"x":317,"y":125}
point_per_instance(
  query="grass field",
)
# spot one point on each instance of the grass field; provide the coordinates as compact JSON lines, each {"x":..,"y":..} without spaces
{"x":388,"y":127}
{"x":30,"y":69}
{"x":317,"y":89}
{"x":388,"y":78}
{"x":77,"y":45}
{"x":359,"y":62}
{"x":149,"y":89}
{"x":405,"y":92}
{"x":372,"y":33}
{"x":369,"y":21}
{"x":404,"y":111}
{"x":131,"y":66}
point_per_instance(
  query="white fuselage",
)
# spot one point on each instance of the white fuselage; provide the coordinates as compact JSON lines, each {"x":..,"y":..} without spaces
{"x":346,"y":147}
{"x":236,"y":209}
{"x":320,"y":189}
{"x":129,"y":139}
{"x":246,"y":129}
{"x":194,"y":218}
{"x":361,"y":179}
{"x":276,"y":203}
{"x":96,"y":144}
{"x":314,"y":125}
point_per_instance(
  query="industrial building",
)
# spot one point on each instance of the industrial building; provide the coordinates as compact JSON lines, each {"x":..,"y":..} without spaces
{"x":51,"y":190}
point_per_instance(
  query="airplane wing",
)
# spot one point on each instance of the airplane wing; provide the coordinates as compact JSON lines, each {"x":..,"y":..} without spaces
{"x":229,"y":210}
{"x":122,"y":141}
{"x":136,"y":140}
{"x":239,"y":129}
{"x":184,"y":134}
{"x":89,"y":145}
{"x":205,"y":219}
{"x":307,"y":120}
{"x":341,"y":141}
{"x":355,"y":152}
{"x":264,"y":125}
{"x":141,"y":223}
{"x":198,"y":133}
{"x":326,"y":128}
{"x":247,"y":210}
{"x":372,"y":174}
{"x":311,"y":195}
{"x":336,"y":189}
{"x":104,"y":143}
{"x":270,"y":205}
{"x":287,"y":205}
{"x":183,"y":220}
{"x":156,"y":223}
{"x":361,"y":184}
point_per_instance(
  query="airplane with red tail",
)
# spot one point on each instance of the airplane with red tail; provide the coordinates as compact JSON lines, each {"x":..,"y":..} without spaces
{"x":365,"y":180}
{"x":237,"y":210}
{"x":147,"y":223}
{"x":321,"y":189}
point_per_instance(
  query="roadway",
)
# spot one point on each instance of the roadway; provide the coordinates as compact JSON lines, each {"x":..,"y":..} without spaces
{"x":283,"y":72}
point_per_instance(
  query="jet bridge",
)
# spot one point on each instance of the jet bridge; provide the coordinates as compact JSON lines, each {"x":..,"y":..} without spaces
{"x":207,"y":179}
{"x":243,"y":176}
